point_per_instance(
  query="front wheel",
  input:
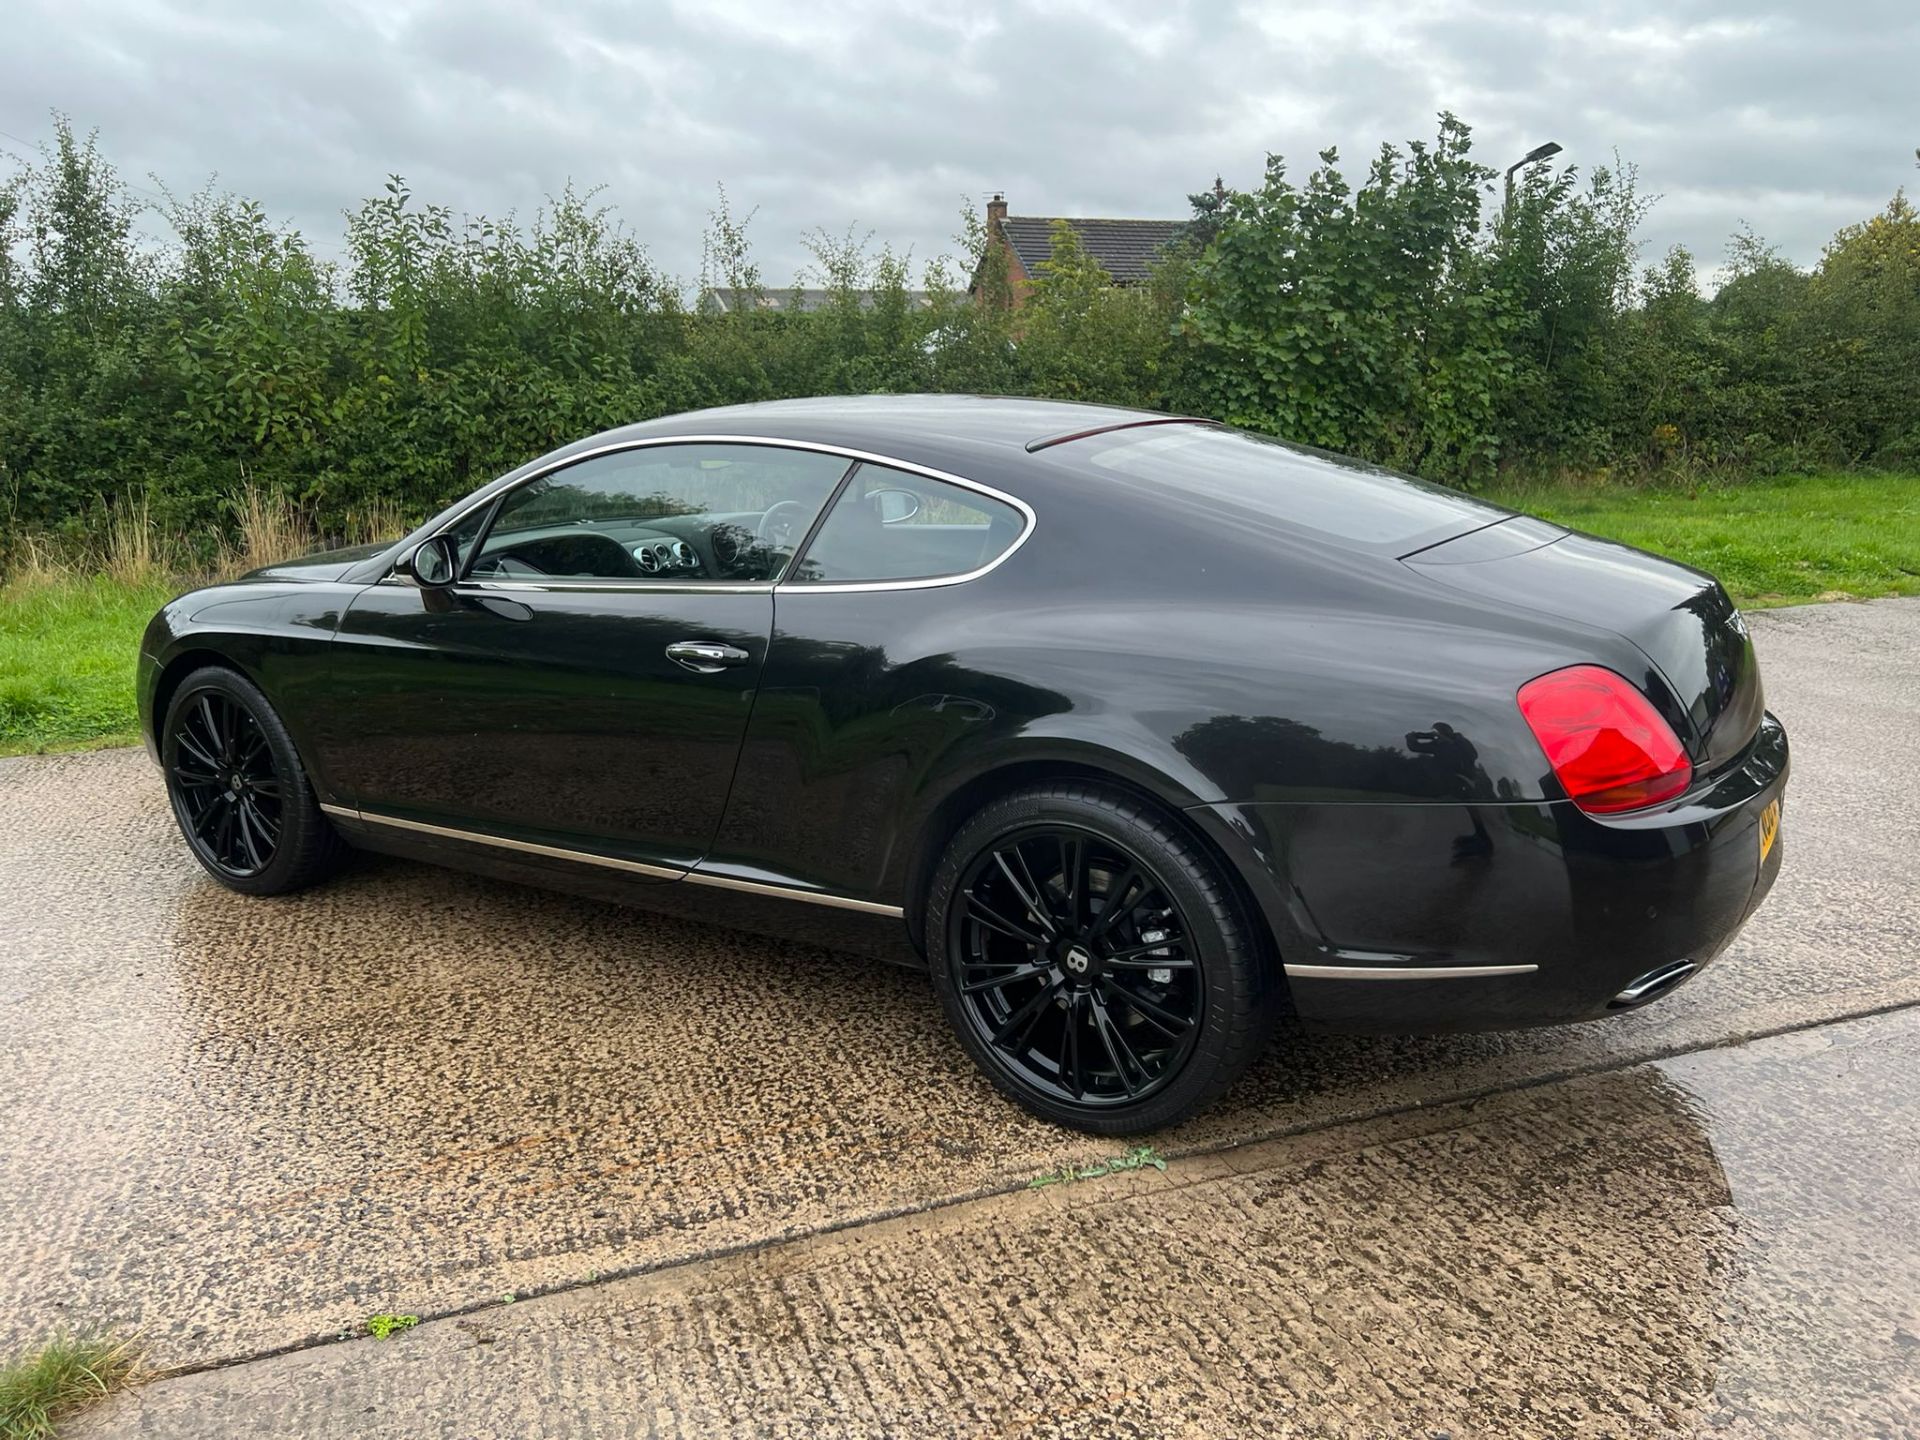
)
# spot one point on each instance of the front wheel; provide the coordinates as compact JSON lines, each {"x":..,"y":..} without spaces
{"x":238,"y":788}
{"x":1093,"y":960}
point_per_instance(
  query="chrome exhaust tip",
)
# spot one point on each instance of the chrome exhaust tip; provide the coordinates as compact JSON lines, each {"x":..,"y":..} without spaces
{"x":1653,"y":984}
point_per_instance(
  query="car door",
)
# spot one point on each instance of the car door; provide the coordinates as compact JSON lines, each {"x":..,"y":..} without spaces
{"x":866,"y":686}
{"x":587,"y":680}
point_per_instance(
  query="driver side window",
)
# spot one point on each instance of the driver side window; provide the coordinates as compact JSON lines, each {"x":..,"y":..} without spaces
{"x":680,"y":513}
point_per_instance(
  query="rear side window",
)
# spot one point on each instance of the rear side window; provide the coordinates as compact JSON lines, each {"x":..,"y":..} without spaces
{"x":1236,"y":479}
{"x":890,"y":525}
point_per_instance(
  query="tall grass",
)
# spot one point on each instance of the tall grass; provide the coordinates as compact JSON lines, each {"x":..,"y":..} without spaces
{"x":64,"y":1375}
{"x":270,"y":530}
{"x":29,"y":560}
{"x":375,"y":521}
{"x":128,"y":548}
{"x":133,"y":553}
{"x":70,"y":620}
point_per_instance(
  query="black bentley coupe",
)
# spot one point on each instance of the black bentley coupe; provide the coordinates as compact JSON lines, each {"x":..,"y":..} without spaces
{"x":1138,"y":732}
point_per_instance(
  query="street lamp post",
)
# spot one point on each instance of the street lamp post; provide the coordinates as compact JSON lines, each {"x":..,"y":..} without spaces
{"x":1538,"y":153}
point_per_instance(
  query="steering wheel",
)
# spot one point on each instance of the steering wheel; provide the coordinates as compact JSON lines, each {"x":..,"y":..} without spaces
{"x":782,"y":524}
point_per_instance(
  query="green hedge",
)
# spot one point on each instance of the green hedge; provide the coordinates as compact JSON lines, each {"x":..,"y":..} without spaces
{"x":1411,"y":319}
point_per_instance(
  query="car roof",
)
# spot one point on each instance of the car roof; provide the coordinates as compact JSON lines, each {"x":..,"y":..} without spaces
{"x":943,"y":431}
{"x":993,"y":439}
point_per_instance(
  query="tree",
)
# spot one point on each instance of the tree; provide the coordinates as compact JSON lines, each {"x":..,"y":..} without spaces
{"x":1209,"y":210}
{"x":1360,"y":320}
{"x":1862,"y":323}
{"x":1084,"y":338}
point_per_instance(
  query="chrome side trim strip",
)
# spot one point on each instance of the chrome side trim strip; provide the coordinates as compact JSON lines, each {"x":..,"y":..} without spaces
{"x":587,"y":857}
{"x":1410,"y":972}
{"x":787,"y":892}
{"x":475,"y":837}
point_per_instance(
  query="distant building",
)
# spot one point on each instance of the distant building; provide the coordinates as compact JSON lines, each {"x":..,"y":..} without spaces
{"x":1126,"y":249}
{"x":801,"y":300}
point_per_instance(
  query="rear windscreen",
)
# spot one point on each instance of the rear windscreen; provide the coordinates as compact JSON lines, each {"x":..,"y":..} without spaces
{"x":1236,"y":477}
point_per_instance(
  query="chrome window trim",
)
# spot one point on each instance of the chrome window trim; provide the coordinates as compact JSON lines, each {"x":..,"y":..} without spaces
{"x":785,"y":585}
{"x":588,"y":857}
{"x":616,"y":586}
{"x":611,"y":584}
{"x":1409,"y":972}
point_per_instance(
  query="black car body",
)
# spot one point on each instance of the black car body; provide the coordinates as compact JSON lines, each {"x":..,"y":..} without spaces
{"x":1309,"y":666}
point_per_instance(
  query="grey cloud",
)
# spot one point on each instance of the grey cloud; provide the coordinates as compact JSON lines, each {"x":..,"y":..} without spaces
{"x":884,"y":117}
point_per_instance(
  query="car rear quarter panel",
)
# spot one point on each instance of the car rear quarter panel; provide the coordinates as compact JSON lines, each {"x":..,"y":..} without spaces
{"x":1268,"y":678}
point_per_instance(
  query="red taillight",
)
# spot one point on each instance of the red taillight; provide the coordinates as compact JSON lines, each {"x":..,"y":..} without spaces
{"x":1605,"y":741}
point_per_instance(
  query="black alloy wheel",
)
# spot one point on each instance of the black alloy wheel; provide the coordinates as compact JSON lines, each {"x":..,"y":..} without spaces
{"x":1076,"y":966}
{"x":1092,"y":961}
{"x":238,"y":790}
{"x":223,"y":773}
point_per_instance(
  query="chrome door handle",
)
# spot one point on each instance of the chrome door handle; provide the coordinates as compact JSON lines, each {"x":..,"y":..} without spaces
{"x":706,"y":657}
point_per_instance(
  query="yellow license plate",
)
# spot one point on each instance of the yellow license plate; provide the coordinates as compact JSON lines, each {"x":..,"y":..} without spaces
{"x":1769,"y":828}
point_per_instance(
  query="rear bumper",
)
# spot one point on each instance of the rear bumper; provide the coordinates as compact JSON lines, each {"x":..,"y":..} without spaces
{"x":1424,"y":917}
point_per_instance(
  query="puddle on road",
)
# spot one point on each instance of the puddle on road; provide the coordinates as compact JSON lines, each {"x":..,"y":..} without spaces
{"x":1818,"y":1315}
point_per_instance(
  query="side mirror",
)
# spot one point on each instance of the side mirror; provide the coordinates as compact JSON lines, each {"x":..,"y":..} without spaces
{"x":433,"y":563}
{"x":895,"y":505}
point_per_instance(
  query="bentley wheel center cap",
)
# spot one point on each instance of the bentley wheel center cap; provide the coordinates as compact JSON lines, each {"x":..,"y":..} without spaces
{"x":1077,"y":961}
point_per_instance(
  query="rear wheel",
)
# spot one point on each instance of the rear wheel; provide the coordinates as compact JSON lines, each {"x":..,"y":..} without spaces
{"x":238,"y":789}
{"x":1093,"y":960}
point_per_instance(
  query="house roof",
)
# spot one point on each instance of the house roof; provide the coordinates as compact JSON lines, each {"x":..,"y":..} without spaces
{"x":805,"y":300}
{"x":1125,"y":248}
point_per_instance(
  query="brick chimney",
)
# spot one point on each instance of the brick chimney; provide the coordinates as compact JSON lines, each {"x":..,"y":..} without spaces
{"x":996,"y":242}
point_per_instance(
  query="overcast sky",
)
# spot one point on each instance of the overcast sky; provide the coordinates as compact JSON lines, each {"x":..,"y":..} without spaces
{"x":1793,"y":118}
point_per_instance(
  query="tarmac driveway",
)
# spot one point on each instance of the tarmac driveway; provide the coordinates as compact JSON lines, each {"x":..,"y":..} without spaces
{"x":244,"y":1126}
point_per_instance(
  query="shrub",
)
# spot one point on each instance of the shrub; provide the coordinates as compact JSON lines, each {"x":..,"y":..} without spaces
{"x":159,"y":406}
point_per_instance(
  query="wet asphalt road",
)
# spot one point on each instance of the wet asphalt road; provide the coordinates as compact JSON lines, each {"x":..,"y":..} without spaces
{"x":243,"y":1126}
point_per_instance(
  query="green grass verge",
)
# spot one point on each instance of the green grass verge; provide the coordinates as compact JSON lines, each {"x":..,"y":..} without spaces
{"x":67,"y":647}
{"x":1776,"y":541}
{"x":67,"y":643}
{"x":40,"y":1388}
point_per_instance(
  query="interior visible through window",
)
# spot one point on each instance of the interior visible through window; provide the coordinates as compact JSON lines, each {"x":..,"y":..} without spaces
{"x":665,"y":512}
{"x":892,"y":525}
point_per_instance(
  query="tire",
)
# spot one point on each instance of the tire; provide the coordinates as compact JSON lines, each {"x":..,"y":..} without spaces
{"x":238,"y":790}
{"x":1076,"y":1027}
